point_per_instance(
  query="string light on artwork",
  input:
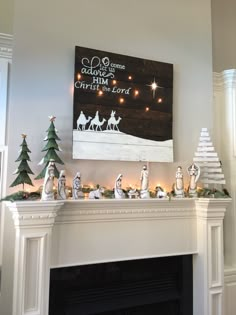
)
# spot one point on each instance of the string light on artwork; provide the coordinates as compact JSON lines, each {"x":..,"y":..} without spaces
{"x":130,"y":77}
{"x":100,"y":93}
{"x":154,"y":86}
{"x":147,"y":109}
{"x":136,"y":92}
{"x":159,"y":100}
{"x":78,"y":76}
{"x":114,"y":82}
{"x":121,"y":100}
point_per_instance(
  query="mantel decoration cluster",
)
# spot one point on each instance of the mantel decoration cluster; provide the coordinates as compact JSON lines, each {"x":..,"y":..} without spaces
{"x":206,"y":167}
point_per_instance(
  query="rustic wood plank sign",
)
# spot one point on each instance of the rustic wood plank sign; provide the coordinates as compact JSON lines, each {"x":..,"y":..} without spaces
{"x":122,"y":107}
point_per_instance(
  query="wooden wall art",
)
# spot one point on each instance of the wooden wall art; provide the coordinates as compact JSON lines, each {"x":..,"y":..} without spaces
{"x":122,"y":107}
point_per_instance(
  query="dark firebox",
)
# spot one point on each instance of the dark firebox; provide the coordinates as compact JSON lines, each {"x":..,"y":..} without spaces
{"x":160,"y":286}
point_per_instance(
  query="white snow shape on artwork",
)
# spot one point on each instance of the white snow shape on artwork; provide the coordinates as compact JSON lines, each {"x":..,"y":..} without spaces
{"x":82,"y":120}
{"x":113,"y":123}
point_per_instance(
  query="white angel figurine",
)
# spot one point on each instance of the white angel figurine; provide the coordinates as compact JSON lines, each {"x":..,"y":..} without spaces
{"x":194,"y":173}
{"x":179,"y":183}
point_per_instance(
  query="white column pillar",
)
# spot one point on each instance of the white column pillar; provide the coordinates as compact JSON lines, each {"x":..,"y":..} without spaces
{"x":225,"y":141}
{"x":208,"y":264}
{"x":33,"y":224}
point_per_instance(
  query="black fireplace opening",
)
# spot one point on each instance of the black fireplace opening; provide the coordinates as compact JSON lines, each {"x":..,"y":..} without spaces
{"x":162,"y":286}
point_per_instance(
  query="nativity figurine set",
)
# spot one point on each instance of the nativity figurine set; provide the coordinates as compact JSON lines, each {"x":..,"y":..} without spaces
{"x":205,"y":157}
{"x":178,"y":191}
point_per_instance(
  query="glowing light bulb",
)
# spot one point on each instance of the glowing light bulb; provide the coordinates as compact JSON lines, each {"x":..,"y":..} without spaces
{"x":122,"y":100}
{"x":159,"y":100}
{"x":147,"y":109}
{"x":114,"y":82}
{"x":154,"y":86}
{"x":136,"y":92}
{"x":130,"y":77}
{"x":100,"y":93}
{"x":78,"y":76}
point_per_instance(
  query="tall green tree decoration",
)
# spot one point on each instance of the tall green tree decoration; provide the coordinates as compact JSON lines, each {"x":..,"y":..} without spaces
{"x":23,"y":169}
{"x":51,"y":147}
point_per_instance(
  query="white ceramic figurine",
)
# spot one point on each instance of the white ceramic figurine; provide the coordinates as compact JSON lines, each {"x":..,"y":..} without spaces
{"x":179,"y":183}
{"x":48,"y":193}
{"x":194,"y":173}
{"x":119,"y":194}
{"x":144,"y":192}
{"x":77,"y":187}
{"x":61,"y":186}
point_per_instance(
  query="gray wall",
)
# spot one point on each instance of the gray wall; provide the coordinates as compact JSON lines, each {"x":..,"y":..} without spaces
{"x":45,"y":34}
{"x":6,"y":16}
{"x":223,"y":34}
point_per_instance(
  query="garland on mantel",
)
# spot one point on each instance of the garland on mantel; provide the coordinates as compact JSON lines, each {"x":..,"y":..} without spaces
{"x":22,"y":195}
{"x":109,"y":194}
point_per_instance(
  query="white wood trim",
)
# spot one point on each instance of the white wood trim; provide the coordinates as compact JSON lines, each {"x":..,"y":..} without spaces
{"x":6,"y":46}
{"x":3,"y":177}
{"x":75,"y":232}
{"x":224,"y":79}
{"x":4,"y":64}
{"x":31,"y":290}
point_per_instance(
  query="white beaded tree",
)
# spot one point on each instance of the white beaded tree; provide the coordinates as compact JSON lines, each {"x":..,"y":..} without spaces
{"x":208,"y":160}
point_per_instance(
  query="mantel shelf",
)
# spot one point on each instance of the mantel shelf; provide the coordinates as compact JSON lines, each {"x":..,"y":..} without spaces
{"x":71,"y":211}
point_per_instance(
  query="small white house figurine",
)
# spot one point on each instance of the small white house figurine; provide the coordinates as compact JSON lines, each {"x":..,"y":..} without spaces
{"x":61,"y":186}
{"x":97,"y":193}
{"x":133,"y":194}
{"x":118,"y":191}
{"x":179,"y":183}
{"x":48,"y":192}
{"x":144,"y":192}
{"x":194,"y":173}
{"x":77,"y":187}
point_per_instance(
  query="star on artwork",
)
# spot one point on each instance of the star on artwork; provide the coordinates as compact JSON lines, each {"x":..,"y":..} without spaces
{"x":154,"y":85}
{"x":23,"y":135}
{"x":52,"y":118}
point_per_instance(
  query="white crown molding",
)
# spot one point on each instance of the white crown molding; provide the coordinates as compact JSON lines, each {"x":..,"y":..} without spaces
{"x":111,"y":210}
{"x":6,"y":46}
{"x":224,"y":79}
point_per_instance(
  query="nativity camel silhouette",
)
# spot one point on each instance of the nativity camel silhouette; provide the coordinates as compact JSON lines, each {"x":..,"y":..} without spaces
{"x":96,"y":122}
{"x":113,"y":123}
{"x":82,"y":120}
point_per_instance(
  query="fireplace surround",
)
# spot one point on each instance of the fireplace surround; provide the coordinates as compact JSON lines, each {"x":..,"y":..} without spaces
{"x":70,"y":233}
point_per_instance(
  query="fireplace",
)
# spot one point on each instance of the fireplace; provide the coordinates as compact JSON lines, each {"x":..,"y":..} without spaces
{"x":144,"y":286}
{"x":57,"y":235}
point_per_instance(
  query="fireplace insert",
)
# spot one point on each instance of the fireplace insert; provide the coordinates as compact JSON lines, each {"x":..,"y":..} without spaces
{"x":146,"y":286}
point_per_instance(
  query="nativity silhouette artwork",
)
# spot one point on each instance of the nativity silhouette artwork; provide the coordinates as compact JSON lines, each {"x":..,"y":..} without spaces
{"x":97,"y":123}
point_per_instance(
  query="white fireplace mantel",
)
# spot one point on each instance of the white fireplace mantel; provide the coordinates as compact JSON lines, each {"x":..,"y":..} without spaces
{"x":75,"y":232}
